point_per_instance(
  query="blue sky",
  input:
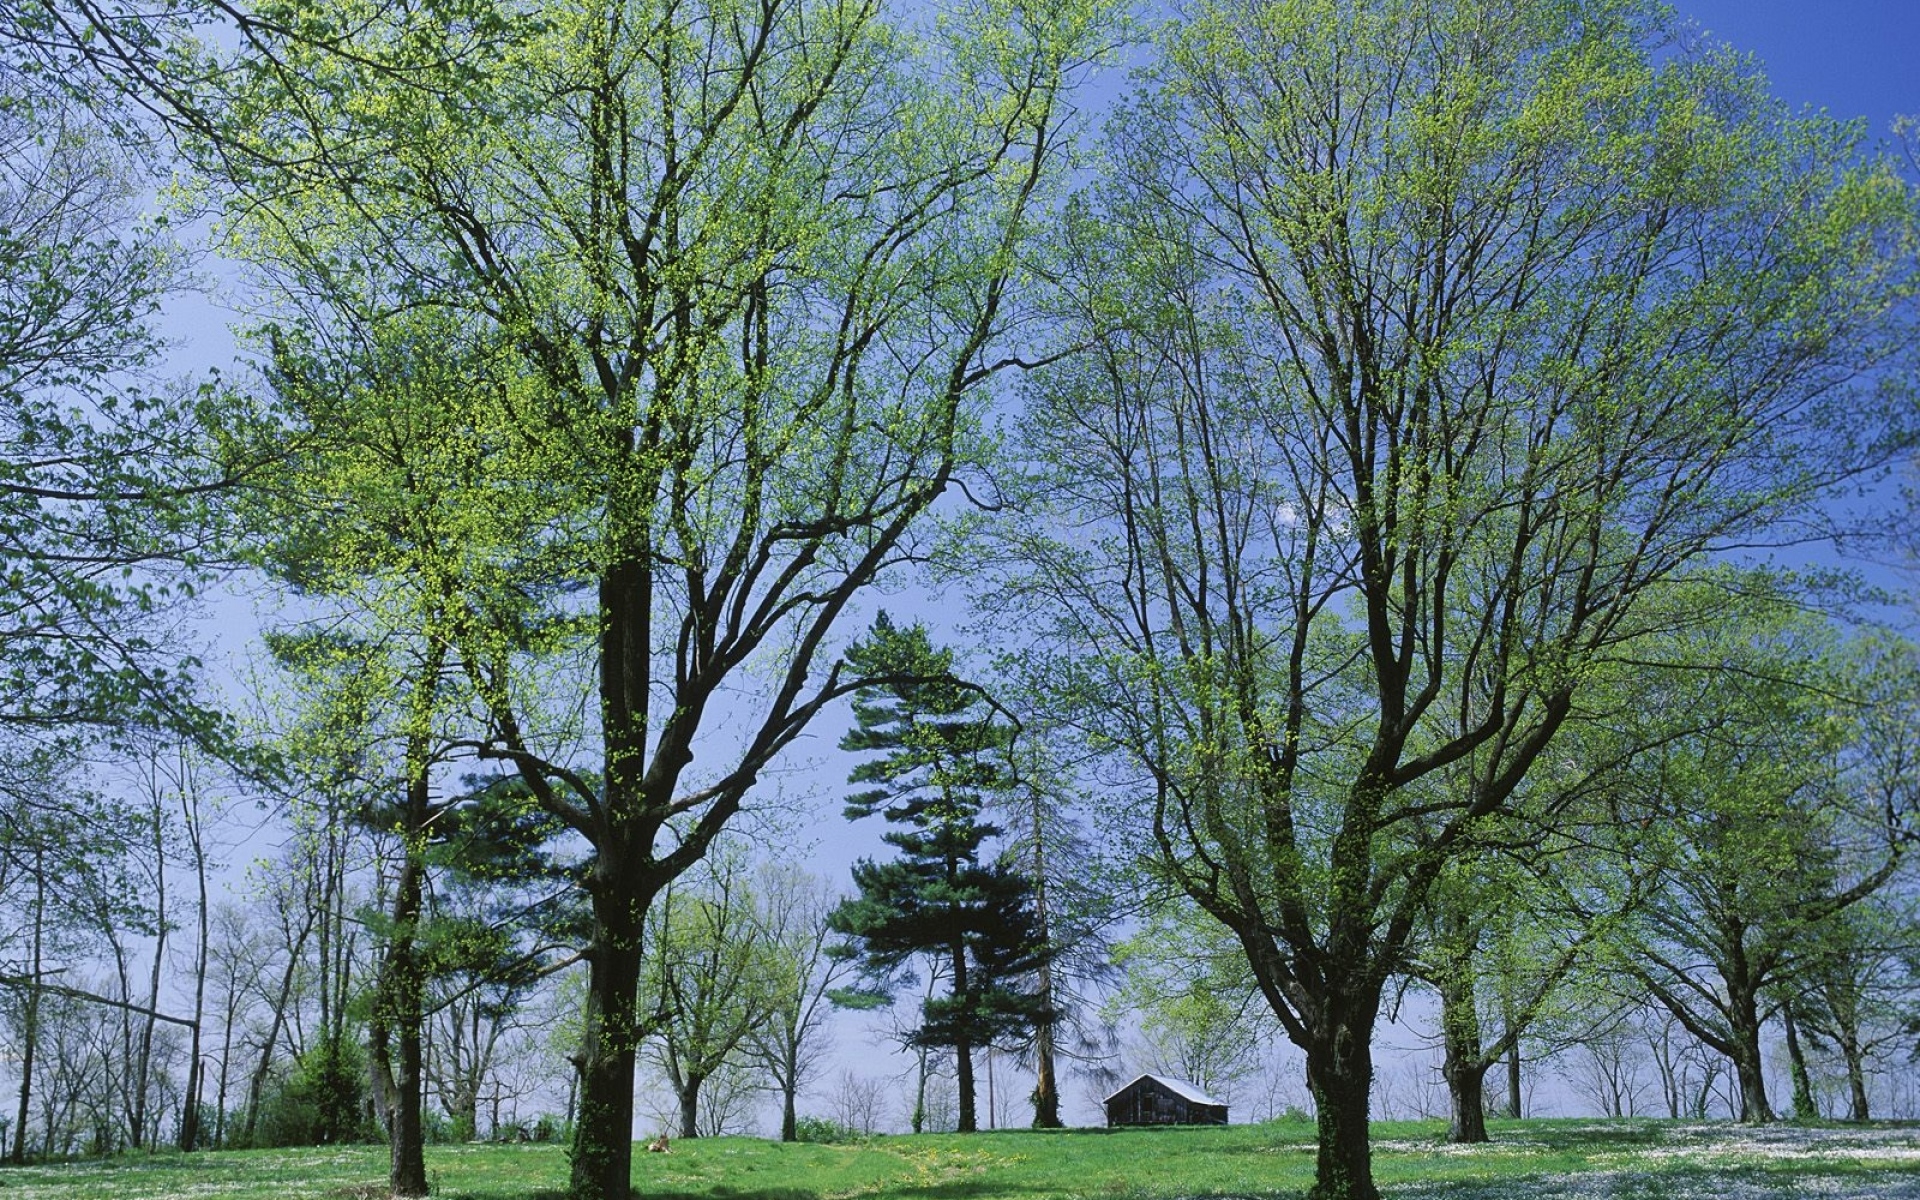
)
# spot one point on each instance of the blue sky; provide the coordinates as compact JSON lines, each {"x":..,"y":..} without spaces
{"x":1855,"y":58}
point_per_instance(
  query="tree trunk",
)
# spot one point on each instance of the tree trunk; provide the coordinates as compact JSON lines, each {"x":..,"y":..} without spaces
{"x":789,"y":1079}
{"x":689,"y":1096}
{"x":962,"y":1044}
{"x":257,"y":1085}
{"x":1804,"y":1108}
{"x":1509,"y":1018}
{"x":1046,"y":1094}
{"x":1744,"y":1012}
{"x":1340,"y":1074}
{"x":603,"y":1131}
{"x":396,"y":1023}
{"x":196,"y":1070}
{"x":1464,"y":1066}
{"x":963,"y":1080}
{"x":1754,"y":1109}
{"x":143,"y":1071}
{"x":1857,"y":1111}
{"x":919,"y":1122}
{"x":402,"y":984}
{"x":30,"y":1025}
{"x":1513,"y":1081}
{"x":1467,"y":1093}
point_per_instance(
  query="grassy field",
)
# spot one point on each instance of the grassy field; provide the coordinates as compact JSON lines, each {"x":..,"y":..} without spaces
{"x":1529,"y":1160}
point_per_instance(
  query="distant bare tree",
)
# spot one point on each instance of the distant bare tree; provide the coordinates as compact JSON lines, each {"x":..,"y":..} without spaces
{"x":858,"y":1102}
{"x":791,"y":1042}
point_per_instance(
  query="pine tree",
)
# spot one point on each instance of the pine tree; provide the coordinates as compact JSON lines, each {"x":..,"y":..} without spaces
{"x":933,"y":763}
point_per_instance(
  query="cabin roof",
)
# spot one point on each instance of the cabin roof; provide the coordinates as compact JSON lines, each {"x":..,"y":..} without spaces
{"x":1178,"y":1087}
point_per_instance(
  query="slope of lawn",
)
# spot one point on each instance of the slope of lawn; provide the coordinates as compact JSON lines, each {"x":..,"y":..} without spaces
{"x":1529,"y":1160}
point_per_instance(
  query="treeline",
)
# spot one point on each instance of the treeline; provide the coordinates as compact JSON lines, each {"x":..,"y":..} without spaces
{"x":1359,"y":450}
{"x":1722,"y":934}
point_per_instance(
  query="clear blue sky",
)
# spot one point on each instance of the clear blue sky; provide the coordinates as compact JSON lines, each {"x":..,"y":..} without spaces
{"x":1855,"y":58}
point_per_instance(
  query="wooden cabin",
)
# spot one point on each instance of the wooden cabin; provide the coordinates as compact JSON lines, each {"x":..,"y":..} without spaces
{"x":1157,"y":1100}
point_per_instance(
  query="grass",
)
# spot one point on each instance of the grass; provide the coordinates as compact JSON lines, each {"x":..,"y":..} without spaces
{"x":1528,"y":1160}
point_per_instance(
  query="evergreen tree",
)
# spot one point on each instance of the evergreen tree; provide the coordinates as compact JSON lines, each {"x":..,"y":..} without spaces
{"x":933,"y":761}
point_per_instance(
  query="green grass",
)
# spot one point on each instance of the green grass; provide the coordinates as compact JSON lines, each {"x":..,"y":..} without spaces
{"x":1528,"y":1160}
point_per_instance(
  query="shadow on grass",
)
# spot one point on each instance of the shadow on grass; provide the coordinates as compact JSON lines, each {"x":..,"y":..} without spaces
{"x":952,"y":1190}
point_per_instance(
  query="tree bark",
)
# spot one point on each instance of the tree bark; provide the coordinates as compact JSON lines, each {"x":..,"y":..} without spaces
{"x":603,"y":1129}
{"x":1340,"y":1074}
{"x":1804,"y":1108}
{"x":1465,"y":1065}
{"x":401,"y":987}
{"x":1513,"y":1081}
{"x":196,"y":1070}
{"x":30,"y":1026}
{"x":1508,"y":1018}
{"x":257,"y":1085}
{"x":962,"y":1044}
{"x":789,"y":1118}
{"x":1744,"y":1012}
{"x":396,"y":1025}
{"x":969,"y":1121}
{"x":143,"y":1071}
{"x":689,"y":1096}
{"x":1857,"y":1110}
{"x":1847,"y":1037}
{"x":1046,"y":1094}
{"x":1466,"y":1093}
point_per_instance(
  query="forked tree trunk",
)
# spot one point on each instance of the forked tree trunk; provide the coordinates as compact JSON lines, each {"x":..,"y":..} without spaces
{"x":1857,"y":1110}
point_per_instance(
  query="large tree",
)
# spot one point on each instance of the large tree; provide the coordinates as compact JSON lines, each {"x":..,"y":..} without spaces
{"x":1427,"y":340}
{"x":754,"y":260}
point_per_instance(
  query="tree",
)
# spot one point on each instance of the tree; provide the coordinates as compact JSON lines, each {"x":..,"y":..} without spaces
{"x":795,"y":909}
{"x":1426,"y":341}
{"x":369,"y":518}
{"x":933,"y":756}
{"x":754,"y":261}
{"x":1074,"y":911}
{"x":503,"y":903}
{"x":1201,"y":1017}
{"x":108,"y":488}
{"x":1493,"y":927}
{"x":1857,"y":996}
{"x":712,"y":977}
{"x":1764,"y":839}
